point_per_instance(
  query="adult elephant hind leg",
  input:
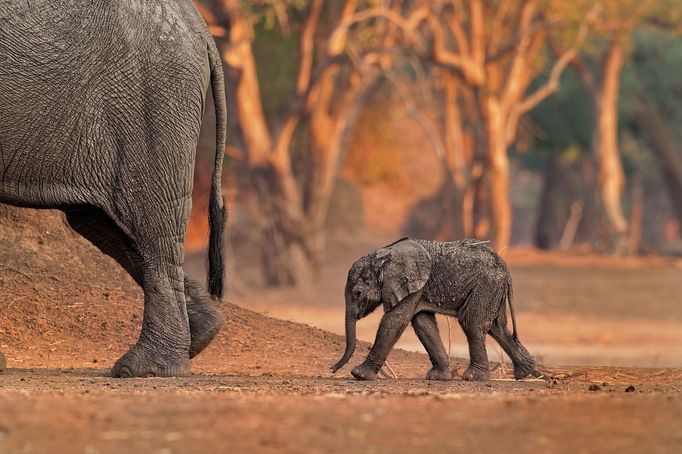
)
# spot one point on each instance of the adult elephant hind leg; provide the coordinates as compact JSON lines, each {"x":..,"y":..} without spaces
{"x":205,"y":320}
{"x":98,"y":228}
{"x":157,"y":231}
{"x":523,"y":361}
{"x":93,"y":224}
{"x":162,"y":349}
{"x":392,"y":325}
{"x":426,"y":328}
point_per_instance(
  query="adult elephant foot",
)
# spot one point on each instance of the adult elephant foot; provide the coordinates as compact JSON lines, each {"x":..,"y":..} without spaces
{"x":205,"y":320}
{"x":474,"y":374}
{"x":364,"y":372}
{"x":440,"y":374}
{"x":144,"y":362}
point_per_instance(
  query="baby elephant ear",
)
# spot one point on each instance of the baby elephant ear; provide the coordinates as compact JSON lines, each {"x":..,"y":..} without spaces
{"x":404,"y":268}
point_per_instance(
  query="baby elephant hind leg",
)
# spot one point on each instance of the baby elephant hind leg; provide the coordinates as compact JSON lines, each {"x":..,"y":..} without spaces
{"x":426,"y":328}
{"x":478,"y":369}
{"x":205,"y":320}
{"x":524,"y":364}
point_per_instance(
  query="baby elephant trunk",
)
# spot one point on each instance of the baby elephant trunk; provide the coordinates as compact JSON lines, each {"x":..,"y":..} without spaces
{"x":351,"y":320}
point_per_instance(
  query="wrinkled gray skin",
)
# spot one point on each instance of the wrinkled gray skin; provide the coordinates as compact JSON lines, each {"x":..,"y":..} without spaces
{"x":100,"y":111}
{"x":414,"y":280}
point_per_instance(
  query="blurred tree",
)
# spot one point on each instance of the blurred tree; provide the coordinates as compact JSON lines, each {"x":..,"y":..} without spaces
{"x":490,"y":52}
{"x":326,"y":92}
{"x":600,"y":69}
{"x":561,"y":129}
{"x":494,"y":50}
{"x":654,"y":98}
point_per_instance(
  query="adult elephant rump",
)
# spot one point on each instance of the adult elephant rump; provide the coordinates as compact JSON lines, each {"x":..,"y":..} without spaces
{"x":100,"y":112}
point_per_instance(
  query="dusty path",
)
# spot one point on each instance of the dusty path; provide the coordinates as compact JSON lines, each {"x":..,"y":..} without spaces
{"x":84,"y":411}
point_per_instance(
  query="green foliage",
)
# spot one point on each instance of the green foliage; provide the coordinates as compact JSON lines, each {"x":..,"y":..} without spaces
{"x":653,"y":71}
{"x":564,"y":120}
{"x":277,"y":57}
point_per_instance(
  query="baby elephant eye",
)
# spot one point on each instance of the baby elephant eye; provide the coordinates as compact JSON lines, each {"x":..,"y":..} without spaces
{"x":357,"y":293}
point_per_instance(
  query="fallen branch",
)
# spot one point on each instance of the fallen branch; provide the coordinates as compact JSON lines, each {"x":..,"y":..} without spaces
{"x":388,"y":366}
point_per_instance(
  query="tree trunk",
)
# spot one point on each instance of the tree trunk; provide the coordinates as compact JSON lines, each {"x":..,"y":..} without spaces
{"x":610,"y":177}
{"x":480,"y":203}
{"x":668,"y":153}
{"x":459,"y":221}
{"x":636,"y":216}
{"x":284,"y":248}
{"x":498,"y":171}
{"x":330,"y":122}
{"x":546,"y":232}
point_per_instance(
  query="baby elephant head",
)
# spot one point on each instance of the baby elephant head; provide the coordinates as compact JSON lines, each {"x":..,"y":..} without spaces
{"x":386,"y":276}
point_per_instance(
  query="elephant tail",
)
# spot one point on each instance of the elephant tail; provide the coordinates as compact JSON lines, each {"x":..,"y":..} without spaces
{"x":217,"y":209}
{"x":510,"y":297}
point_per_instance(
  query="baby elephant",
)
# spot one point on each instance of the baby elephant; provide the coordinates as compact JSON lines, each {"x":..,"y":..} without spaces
{"x":415,"y":279}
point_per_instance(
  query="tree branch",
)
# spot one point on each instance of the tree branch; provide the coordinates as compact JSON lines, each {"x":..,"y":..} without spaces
{"x":429,"y":129}
{"x":408,"y":25}
{"x":307,"y":45}
{"x":552,"y":85}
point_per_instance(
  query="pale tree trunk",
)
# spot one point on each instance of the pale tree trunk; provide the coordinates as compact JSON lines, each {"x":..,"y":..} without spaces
{"x":610,"y":176}
{"x":498,"y":173}
{"x":459,"y":161}
{"x":609,"y":180}
{"x":293,"y":216}
{"x":330,"y":122}
{"x":283,"y":249}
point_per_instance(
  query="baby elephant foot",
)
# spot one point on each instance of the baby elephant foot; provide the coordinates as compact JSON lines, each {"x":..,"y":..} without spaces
{"x":142,"y":362}
{"x":522,"y":372}
{"x":440,"y":374}
{"x":473,"y":374}
{"x":364,"y":372}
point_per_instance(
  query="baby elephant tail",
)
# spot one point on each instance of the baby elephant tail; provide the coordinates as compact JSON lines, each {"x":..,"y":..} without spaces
{"x":510,"y":297}
{"x":524,"y":363}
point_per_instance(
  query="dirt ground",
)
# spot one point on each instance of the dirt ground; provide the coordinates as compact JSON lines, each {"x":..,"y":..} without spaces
{"x":67,"y":313}
{"x":81,"y":410}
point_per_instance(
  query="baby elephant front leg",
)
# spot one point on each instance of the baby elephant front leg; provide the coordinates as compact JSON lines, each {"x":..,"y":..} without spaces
{"x":392,"y":325}
{"x":426,"y":328}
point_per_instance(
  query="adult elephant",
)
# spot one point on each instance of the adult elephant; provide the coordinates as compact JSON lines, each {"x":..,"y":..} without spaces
{"x":100,"y":112}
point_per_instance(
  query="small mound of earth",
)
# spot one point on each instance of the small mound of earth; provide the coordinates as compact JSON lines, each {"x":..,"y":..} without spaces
{"x":64,"y":304}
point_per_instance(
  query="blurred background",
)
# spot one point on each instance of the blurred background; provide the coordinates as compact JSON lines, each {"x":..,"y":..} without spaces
{"x":549,"y":127}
